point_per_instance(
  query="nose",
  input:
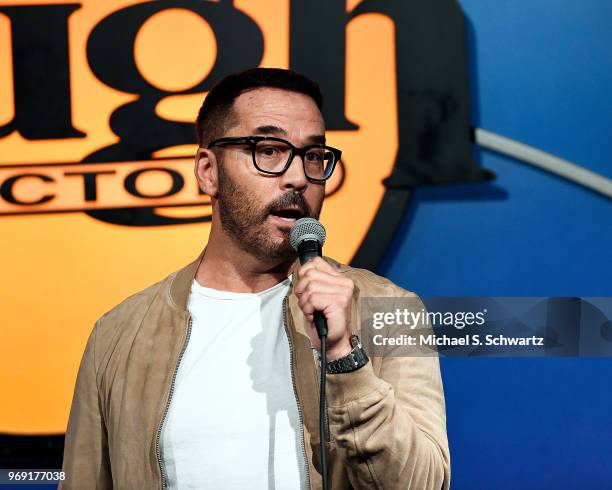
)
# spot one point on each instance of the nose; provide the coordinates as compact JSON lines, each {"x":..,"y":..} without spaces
{"x":294,"y":177}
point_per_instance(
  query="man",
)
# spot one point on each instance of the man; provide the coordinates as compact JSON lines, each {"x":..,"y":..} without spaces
{"x":209,"y":378}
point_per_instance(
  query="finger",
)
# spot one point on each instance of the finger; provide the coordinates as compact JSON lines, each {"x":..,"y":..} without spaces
{"x":316,"y":276}
{"x":319,"y":264}
{"x":306,"y":306}
{"x":321,"y":288}
{"x":324,"y":302}
{"x":324,"y":287}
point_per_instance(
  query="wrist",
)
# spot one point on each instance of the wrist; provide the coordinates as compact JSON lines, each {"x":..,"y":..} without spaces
{"x":339,"y":350}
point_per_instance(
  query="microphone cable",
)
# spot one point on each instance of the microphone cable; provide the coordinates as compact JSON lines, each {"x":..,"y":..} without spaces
{"x":323,"y":435}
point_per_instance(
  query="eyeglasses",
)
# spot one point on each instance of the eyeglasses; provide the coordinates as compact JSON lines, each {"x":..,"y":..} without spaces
{"x":274,"y":155}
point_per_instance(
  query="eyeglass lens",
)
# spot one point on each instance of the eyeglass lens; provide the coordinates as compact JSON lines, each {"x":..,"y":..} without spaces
{"x":272,"y":156}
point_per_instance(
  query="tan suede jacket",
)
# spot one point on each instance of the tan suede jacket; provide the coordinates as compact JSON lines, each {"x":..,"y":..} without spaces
{"x":387,"y":420}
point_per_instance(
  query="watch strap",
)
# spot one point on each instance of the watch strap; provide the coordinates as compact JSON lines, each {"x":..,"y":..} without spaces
{"x":354,"y":360}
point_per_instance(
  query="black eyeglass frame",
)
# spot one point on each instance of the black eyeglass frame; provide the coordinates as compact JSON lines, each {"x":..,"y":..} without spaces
{"x":253,"y":140}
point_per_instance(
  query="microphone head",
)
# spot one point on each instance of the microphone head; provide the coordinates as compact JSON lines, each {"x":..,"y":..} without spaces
{"x":306,"y":229}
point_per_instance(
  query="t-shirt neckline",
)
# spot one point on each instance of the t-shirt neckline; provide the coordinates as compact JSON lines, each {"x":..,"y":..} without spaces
{"x":197,"y":288}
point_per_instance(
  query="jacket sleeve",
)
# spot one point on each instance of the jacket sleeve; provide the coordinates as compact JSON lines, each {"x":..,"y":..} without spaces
{"x":86,"y":459}
{"x":390,"y":428}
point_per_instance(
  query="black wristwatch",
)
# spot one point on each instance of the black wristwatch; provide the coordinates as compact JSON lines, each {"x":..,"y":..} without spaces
{"x":352,"y":361}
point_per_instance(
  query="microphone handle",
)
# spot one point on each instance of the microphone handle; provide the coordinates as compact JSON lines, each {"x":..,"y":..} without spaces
{"x":321,"y":323}
{"x":308,"y":250}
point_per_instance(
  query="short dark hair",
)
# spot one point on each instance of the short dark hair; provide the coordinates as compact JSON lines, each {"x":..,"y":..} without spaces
{"x":214,"y":116}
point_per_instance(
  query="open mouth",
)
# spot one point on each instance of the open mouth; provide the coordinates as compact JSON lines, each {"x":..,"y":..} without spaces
{"x":288,"y":214}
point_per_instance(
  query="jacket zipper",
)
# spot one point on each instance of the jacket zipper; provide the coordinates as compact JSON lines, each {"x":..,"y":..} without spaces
{"x":161,"y":424}
{"x":297,"y":401}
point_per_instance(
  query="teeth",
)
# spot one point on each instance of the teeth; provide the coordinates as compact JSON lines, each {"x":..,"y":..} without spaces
{"x":287,"y":219}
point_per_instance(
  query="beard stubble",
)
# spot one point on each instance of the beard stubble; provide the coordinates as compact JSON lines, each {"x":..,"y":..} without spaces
{"x":243,"y":218}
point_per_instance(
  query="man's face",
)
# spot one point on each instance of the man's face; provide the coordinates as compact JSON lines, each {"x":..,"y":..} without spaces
{"x":257,"y":209}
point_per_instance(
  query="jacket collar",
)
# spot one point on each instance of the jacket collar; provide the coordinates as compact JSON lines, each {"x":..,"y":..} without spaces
{"x":181,"y":284}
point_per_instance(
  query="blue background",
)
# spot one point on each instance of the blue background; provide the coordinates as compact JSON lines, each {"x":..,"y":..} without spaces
{"x":540,"y":73}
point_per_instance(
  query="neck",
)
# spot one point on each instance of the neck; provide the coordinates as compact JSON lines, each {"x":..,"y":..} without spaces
{"x":227,"y":267}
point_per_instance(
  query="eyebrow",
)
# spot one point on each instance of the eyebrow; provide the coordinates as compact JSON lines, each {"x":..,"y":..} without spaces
{"x":317,"y":139}
{"x":276,"y":130}
{"x":270,"y":130}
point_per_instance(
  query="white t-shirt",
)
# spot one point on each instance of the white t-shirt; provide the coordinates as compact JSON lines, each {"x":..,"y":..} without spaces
{"x":233,"y":420}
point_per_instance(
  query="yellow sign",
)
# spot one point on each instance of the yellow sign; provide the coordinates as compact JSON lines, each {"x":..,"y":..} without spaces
{"x":97,"y":194}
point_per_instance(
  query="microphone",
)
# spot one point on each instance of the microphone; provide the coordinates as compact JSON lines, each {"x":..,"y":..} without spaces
{"x":307,"y":237}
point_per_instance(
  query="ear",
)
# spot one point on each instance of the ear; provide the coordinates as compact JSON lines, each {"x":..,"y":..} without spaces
{"x":206,"y":171}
